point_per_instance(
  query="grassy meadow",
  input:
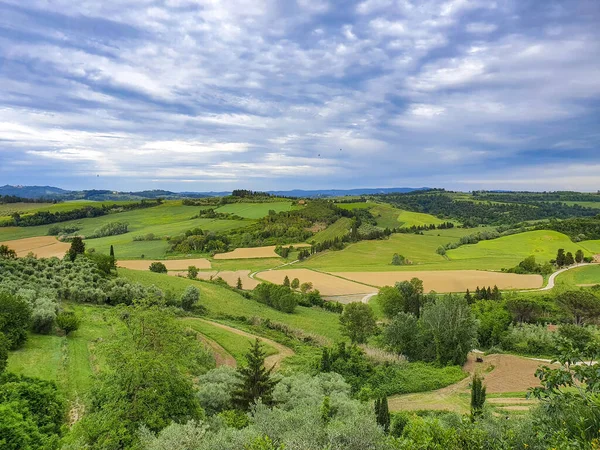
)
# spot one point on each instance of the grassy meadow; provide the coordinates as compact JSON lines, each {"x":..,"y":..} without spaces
{"x":337,"y":229}
{"x":255,"y":210}
{"x":581,"y":275}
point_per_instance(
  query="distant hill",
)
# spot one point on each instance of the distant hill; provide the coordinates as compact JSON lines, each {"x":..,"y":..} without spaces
{"x":50,"y":192}
{"x":33,"y":191}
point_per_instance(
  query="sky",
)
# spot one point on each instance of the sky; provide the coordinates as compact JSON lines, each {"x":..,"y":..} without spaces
{"x":201,"y":95}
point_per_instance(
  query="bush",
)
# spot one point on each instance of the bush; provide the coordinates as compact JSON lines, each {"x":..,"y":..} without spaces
{"x":190,"y":298}
{"x":15,"y":318}
{"x":158,"y":267}
{"x":43,"y":316}
{"x":67,"y":321}
{"x":110,"y":229}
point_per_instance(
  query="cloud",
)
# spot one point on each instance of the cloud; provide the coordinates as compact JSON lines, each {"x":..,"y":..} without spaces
{"x":297,"y":94}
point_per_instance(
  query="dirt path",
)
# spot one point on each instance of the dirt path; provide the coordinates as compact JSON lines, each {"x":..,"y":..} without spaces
{"x":273,"y":360}
{"x":222,"y":357}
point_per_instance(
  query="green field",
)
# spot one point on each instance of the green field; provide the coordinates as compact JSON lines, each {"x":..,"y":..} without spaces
{"x":581,"y":275}
{"x":592,"y":247}
{"x":355,"y":205}
{"x":70,"y":361}
{"x":409,"y":219}
{"x":495,"y":254}
{"x":337,"y":229}
{"x":6,"y":209}
{"x":234,"y":344}
{"x":255,"y":210}
{"x":510,"y":250}
{"x":223,"y":303}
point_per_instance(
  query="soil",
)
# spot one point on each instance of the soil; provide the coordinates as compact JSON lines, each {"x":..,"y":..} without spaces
{"x":254,"y":252}
{"x":41,"y":246}
{"x":327,"y":285}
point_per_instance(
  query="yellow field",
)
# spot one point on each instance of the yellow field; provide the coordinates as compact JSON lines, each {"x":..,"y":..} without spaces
{"x":325,"y":283}
{"x":42,"y":246}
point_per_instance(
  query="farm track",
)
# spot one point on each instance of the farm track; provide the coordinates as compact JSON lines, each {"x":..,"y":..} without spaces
{"x":270,"y":361}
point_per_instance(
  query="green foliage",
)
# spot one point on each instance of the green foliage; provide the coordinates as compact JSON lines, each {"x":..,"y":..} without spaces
{"x":582,"y":305}
{"x":158,"y":267}
{"x":477,"y":396}
{"x":43,"y":315}
{"x":452,"y":327}
{"x":192,"y":272}
{"x":15,"y":318}
{"x":7,"y":253}
{"x":190,"y":298}
{"x":403,"y":336}
{"x":295,"y":283}
{"x":391,"y":301}
{"x":358,"y":322}
{"x":31,"y":413}
{"x":398,"y":260}
{"x":215,"y":389}
{"x":67,"y":321}
{"x":382,"y":413}
{"x":4,"y":345}
{"x":110,"y":229}
{"x":148,"y":383}
{"x":281,"y":298}
{"x":529,"y":339}
{"x":493,"y":320}
{"x":77,"y":248}
{"x":529,"y":265}
{"x":255,"y":382}
{"x":238,"y":284}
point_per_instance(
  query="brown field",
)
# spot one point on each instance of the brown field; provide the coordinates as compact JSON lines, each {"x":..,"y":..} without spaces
{"x":171,"y":264}
{"x":254,"y":252}
{"x":42,"y":246}
{"x":503,"y":374}
{"x":229,"y":276}
{"x":448,"y":280}
{"x":325,"y":283}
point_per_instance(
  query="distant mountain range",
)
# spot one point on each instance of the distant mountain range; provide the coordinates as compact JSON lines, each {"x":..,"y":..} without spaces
{"x":54,"y":193}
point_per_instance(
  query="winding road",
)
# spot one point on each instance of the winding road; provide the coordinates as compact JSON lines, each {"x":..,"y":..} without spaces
{"x":552,"y":278}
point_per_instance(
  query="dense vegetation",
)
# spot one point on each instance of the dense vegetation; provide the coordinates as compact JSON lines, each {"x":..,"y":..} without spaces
{"x":471,"y":213}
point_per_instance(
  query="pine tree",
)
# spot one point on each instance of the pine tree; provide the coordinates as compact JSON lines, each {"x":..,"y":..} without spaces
{"x":239,"y":283}
{"x":560,"y":257}
{"x":569,"y":260}
{"x":77,"y":248}
{"x":496,"y":295}
{"x":477,"y":294}
{"x":469,"y":297}
{"x":477,"y":396}
{"x":489,"y":294}
{"x":113,"y":261}
{"x":255,"y":380}
{"x":382,"y":413}
{"x":286,"y":281}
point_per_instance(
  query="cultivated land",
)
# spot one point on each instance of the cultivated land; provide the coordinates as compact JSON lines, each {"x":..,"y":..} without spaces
{"x":253,"y":252}
{"x":42,"y":247}
{"x":326,"y":284}
{"x":337,"y":229}
{"x":170,"y":264}
{"x":447,"y":281}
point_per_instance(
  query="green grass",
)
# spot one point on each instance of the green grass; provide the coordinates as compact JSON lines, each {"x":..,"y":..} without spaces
{"x":592,"y":247}
{"x":454,"y":234}
{"x":581,"y":275}
{"x":510,"y":250}
{"x":409,"y":219}
{"x":594,"y":205}
{"x":222,"y":302}
{"x":255,"y":210}
{"x":356,"y":205}
{"x":337,"y":229}
{"x":376,"y":307}
{"x":69,"y":361}
{"x":30,"y":208}
{"x":386,"y":215}
{"x":236,"y":345}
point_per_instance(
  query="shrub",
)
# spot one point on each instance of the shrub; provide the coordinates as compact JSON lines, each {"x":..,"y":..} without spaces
{"x":190,"y":298}
{"x":67,"y":321}
{"x":43,"y":316}
{"x":110,"y":229}
{"x":158,"y":267}
{"x":15,"y":318}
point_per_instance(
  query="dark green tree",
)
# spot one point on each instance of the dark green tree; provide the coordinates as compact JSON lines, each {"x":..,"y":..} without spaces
{"x":77,"y":248}
{"x":112,"y":257}
{"x":3,"y":352}
{"x":295,"y":283}
{"x":358,"y":322}
{"x":192,"y":272}
{"x":255,"y":380}
{"x":469,"y":297}
{"x":158,"y":267}
{"x":579,"y":256}
{"x":382,"y":413}
{"x":582,"y":305}
{"x":560,"y":257}
{"x":190,"y":298}
{"x":412,"y":295}
{"x":477,"y":396}
{"x":286,"y":281}
{"x":325,"y":365}
{"x":15,"y":318}
{"x":569,"y":260}
{"x":239,"y":283}
{"x":7,"y":253}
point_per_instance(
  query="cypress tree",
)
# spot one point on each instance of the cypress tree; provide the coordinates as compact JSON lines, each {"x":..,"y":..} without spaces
{"x":496,"y":295}
{"x":489,"y":293}
{"x":382,"y":413}
{"x":286,"y":281}
{"x":112,"y":257}
{"x":469,"y":297}
{"x":477,"y":396}
{"x":325,"y":361}
{"x":255,"y":380}
{"x":239,"y":283}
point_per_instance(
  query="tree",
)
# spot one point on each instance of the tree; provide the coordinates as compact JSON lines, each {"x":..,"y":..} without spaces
{"x":469,"y":297}
{"x":305,"y":287}
{"x":403,"y":336}
{"x":358,"y":322}
{"x":453,"y":328}
{"x":255,"y":380}
{"x":77,"y":248}
{"x":524,"y":309}
{"x":192,"y":272}
{"x":569,"y":260}
{"x":158,"y":267}
{"x":67,"y":321}
{"x":391,"y":301}
{"x":496,"y":294}
{"x":295,"y":283}
{"x":582,"y":305}
{"x":15,"y":318}
{"x":286,"y":281}
{"x":239,"y":283}
{"x":477,"y":396}
{"x":382,"y":413}
{"x":560,"y":257}
{"x":398,"y":260}
{"x":7,"y":253}
{"x":3,"y":352}
{"x":151,"y":360}
{"x":579,"y":256}
{"x":190,"y":298}
{"x":112,"y":257}
{"x":412,"y":294}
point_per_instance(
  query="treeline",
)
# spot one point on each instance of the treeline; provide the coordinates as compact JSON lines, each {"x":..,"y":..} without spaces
{"x":472,"y":214}
{"x":4,"y":199}
{"x":46,"y":217}
{"x":210,"y":213}
{"x":578,"y":229}
{"x":528,"y":197}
